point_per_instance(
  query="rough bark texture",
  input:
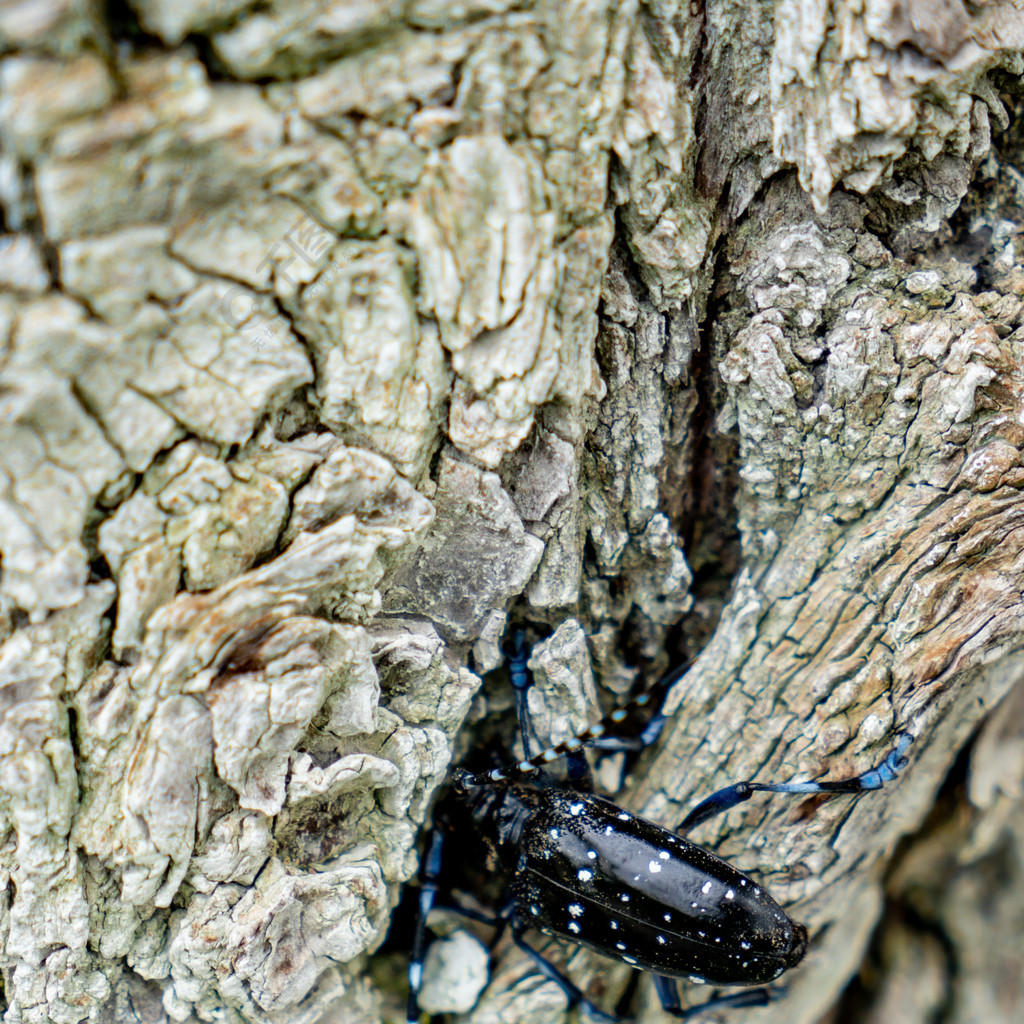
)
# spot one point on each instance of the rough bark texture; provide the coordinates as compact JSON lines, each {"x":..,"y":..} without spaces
{"x":335,"y":336}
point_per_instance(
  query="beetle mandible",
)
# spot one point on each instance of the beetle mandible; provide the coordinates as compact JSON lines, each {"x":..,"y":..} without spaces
{"x":587,"y":871}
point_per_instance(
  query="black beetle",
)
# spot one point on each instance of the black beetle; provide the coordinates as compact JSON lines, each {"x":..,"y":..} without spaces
{"x":585,"y":870}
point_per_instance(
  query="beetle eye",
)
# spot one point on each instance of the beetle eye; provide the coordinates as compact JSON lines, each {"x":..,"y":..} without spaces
{"x":460,"y":781}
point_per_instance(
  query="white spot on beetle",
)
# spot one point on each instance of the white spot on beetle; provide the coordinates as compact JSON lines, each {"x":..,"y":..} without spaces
{"x":697,"y":980}
{"x":694,"y":905}
{"x":614,"y":926}
{"x":744,"y":945}
{"x":575,"y":809}
{"x":668,"y":918}
{"x":624,"y":897}
{"x":718,"y":938}
{"x":575,"y":909}
{"x":554,"y":833}
{"x":746,"y":963}
{"x":654,"y":867}
{"x":706,"y":888}
{"x":729,"y":894}
{"x":703,"y":935}
{"x":661,"y":939}
{"x":620,"y":945}
{"x":591,"y":855}
{"x":584,"y":875}
{"x":743,"y":881}
{"x":574,"y":928}
{"x":525,"y":767}
{"x":608,"y":830}
{"x":663,"y":855}
{"x":534,"y":911}
{"x":415,"y":975}
{"x":636,"y":878}
{"x":629,"y":960}
{"x":624,"y":816}
{"x":757,"y":892}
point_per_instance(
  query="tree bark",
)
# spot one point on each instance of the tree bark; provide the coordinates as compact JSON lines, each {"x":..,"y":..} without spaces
{"x":337,"y":337}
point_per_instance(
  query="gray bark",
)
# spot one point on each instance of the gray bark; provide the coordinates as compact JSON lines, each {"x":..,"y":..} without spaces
{"x":338,"y":336}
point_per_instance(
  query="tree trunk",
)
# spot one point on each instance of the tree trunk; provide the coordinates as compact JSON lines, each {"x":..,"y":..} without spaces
{"x":338,"y":336}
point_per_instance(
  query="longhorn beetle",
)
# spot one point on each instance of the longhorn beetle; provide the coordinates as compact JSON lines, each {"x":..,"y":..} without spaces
{"x":586,"y":871}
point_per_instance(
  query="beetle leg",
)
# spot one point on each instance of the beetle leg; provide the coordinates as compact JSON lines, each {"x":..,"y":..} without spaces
{"x":519,"y":676}
{"x":552,"y":973}
{"x":579,"y":774}
{"x":668,"y":993}
{"x":501,"y":923}
{"x":430,"y":870}
{"x":598,"y":737}
{"x":874,"y":778}
{"x":455,"y":907}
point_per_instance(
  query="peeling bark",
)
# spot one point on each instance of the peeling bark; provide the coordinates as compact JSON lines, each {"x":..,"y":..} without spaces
{"x":336,"y":337}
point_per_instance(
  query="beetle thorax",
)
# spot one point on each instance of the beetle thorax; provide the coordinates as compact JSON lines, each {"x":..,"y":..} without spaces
{"x":500,"y":814}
